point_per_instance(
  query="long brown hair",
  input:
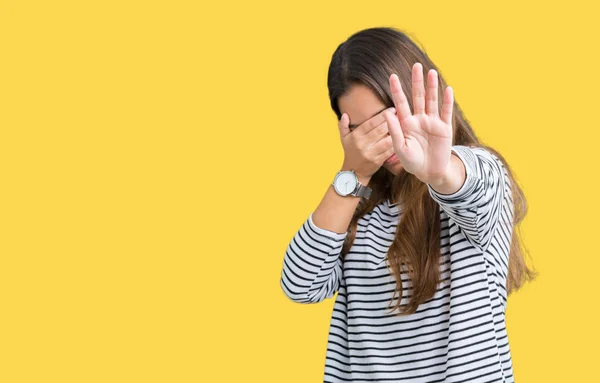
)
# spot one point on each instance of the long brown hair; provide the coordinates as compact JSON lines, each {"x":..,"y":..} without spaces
{"x":369,"y":57}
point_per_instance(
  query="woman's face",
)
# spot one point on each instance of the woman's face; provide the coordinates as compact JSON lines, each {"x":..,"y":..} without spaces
{"x":361,"y":103}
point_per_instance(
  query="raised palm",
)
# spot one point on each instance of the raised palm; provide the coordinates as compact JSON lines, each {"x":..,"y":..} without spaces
{"x":422,"y":141}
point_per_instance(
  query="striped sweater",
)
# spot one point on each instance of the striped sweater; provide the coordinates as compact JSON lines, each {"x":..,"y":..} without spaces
{"x":459,"y":335}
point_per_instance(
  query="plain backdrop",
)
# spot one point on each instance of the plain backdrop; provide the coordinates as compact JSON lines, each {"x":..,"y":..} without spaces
{"x":156,"y":158}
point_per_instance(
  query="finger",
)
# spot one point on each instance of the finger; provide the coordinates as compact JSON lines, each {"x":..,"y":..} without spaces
{"x":343,"y":125}
{"x":447,"y":105}
{"x":432,"y":93}
{"x":372,"y":123}
{"x":383,"y":145}
{"x":395,"y":130}
{"x":386,"y":154}
{"x":418,"y":89}
{"x":400,"y":101}
{"x":378,"y":132}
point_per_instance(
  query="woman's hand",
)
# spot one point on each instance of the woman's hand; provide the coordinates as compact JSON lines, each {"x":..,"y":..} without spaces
{"x":422,"y":141}
{"x":367,"y":146}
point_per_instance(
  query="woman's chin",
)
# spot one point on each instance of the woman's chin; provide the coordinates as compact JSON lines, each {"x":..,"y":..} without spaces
{"x":395,"y":168}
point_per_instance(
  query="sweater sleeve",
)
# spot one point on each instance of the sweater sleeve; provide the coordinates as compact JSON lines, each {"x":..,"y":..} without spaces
{"x":477,"y":206}
{"x":312,"y":267}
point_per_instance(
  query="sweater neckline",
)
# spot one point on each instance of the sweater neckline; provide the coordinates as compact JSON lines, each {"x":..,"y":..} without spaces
{"x":393,"y":207}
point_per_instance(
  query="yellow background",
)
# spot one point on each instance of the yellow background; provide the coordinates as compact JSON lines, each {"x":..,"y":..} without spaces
{"x":157,"y":158}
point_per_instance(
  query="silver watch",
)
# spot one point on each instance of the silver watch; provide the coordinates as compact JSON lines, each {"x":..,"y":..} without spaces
{"x":346,"y":183}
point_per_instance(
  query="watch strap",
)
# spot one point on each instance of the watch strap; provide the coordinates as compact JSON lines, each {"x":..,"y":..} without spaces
{"x":362,"y":191}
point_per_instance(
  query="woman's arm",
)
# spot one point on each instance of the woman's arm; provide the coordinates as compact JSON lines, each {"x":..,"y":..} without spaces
{"x":312,"y":267}
{"x":477,"y":205}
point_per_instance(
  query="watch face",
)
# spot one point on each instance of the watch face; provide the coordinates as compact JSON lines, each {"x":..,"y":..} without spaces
{"x":345,"y":183}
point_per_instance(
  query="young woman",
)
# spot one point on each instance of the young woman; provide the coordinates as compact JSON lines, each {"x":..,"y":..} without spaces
{"x":415,"y":234}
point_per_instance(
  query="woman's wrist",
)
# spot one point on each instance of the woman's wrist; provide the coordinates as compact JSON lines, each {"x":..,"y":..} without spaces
{"x":363,"y":179}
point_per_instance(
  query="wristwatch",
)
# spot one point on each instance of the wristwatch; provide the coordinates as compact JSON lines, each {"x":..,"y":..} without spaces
{"x":346,"y":183}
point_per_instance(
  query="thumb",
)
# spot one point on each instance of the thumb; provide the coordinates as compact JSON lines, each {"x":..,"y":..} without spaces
{"x":395,"y":130}
{"x":343,"y":125}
